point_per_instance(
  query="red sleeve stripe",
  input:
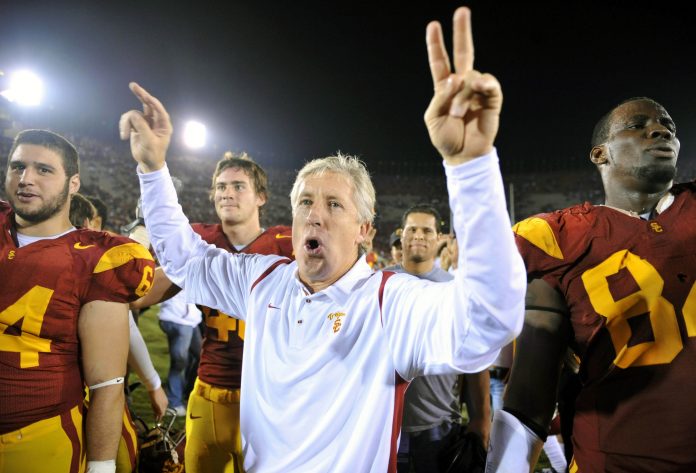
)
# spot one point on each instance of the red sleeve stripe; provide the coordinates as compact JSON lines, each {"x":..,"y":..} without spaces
{"x":385,"y":276}
{"x":400,"y":386}
{"x":399,"y":391}
{"x":268,"y":271}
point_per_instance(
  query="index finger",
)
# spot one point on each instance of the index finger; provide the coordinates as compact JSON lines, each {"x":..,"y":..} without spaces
{"x":151,"y":105}
{"x":437,"y":54}
{"x":463,"y":41}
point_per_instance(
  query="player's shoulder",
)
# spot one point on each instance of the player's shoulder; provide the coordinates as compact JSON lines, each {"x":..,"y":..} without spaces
{"x":553,"y":231}
{"x":121,"y":270}
{"x":207,"y":229}
{"x":558,"y":220}
{"x":277,"y":240}
{"x":102,"y":241}
{"x":106,"y":250}
{"x":686,"y":190}
{"x":279,"y":232}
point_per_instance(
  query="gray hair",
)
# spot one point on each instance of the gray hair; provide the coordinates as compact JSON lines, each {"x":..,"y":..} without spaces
{"x":348,"y":166}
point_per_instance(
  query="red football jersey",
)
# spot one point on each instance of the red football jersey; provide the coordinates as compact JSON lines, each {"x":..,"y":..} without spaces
{"x":44,"y":286}
{"x":630,"y":287}
{"x":223,"y":341}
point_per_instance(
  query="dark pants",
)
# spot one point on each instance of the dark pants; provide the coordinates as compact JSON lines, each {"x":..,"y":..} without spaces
{"x":424,"y":448}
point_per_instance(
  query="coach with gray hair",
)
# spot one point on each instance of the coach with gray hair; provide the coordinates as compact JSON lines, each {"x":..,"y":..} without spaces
{"x":330,"y":346}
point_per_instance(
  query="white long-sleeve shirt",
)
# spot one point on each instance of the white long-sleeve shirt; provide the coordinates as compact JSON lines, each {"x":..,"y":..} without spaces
{"x":323,"y":373}
{"x":177,"y":310}
{"x":139,"y":358}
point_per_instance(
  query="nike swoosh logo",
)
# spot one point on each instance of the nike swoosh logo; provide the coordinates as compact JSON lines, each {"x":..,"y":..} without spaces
{"x":271,"y":306}
{"x":192,"y":417}
{"x":280,"y":235}
{"x":79,"y":246}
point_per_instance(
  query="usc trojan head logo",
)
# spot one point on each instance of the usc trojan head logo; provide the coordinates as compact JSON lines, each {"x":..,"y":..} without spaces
{"x":337,"y":320}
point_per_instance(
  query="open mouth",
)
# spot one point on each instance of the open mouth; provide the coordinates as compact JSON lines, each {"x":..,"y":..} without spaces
{"x":313,"y":246}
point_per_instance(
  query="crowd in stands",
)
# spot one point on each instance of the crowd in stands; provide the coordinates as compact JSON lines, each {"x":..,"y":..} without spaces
{"x":107,"y":173}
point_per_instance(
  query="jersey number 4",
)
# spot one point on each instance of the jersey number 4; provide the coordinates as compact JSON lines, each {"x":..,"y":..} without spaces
{"x":223,"y":324}
{"x":26,"y":317}
{"x":647,"y":301}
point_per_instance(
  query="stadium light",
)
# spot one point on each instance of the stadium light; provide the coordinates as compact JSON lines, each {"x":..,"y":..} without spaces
{"x":195,"y":134}
{"x":25,"y":88}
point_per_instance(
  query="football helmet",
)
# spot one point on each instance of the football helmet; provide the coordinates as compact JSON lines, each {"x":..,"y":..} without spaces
{"x":162,"y":446}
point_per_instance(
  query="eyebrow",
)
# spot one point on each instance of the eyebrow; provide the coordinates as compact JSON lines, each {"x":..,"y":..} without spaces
{"x":667,"y":118}
{"x":326,"y":197}
{"x":660,"y":118}
{"x":425,"y":227}
{"x":14,"y":162}
{"x":638,"y":116}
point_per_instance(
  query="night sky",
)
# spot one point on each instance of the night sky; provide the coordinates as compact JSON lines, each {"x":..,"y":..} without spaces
{"x":299,"y":80}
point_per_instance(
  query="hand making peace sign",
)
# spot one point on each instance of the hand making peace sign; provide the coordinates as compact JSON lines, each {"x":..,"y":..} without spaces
{"x":464,"y":113}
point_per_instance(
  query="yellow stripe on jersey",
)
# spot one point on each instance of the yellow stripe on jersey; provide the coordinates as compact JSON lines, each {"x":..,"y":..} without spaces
{"x":120,"y":255}
{"x":689,"y":312}
{"x":538,"y":232}
{"x":573,"y":468}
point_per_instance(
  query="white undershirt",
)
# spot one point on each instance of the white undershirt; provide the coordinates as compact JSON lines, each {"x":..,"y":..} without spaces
{"x":24,"y":240}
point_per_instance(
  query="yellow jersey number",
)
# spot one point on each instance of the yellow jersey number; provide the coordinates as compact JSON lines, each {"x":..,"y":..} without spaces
{"x":31,"y":307}
{"x":648,"y":299}
{"x":224,"y":324}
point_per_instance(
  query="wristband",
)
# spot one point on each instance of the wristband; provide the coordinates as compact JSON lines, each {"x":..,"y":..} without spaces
{"x":102,"y":466}
{"x":512,"y":447}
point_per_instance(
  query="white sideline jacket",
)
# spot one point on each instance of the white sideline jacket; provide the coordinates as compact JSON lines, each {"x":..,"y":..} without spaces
{"x":324,"y":374}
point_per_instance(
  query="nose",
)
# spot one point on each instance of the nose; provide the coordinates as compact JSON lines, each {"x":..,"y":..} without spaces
{"x":661,"y":131}
{"x":25,"y":176}
{"x":226,"y":194}
{"x":314,"y":216}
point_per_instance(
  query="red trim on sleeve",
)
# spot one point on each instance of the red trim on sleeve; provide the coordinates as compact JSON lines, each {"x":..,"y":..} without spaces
{"x":268,"y":271}
{"x":400,"y":386}
{"x":385,"y":276}
{"x":399,"y":391}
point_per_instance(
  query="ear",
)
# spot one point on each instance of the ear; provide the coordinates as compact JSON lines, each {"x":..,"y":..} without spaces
{"x":599,"y":154}
{"x":260,"y":200}
{"x":74,"y":184}
{"x":365,"y":233}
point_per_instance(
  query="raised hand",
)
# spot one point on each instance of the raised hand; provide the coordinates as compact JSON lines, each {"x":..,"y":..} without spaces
{"x":149,"y":131}
{"x":464,"y":113}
